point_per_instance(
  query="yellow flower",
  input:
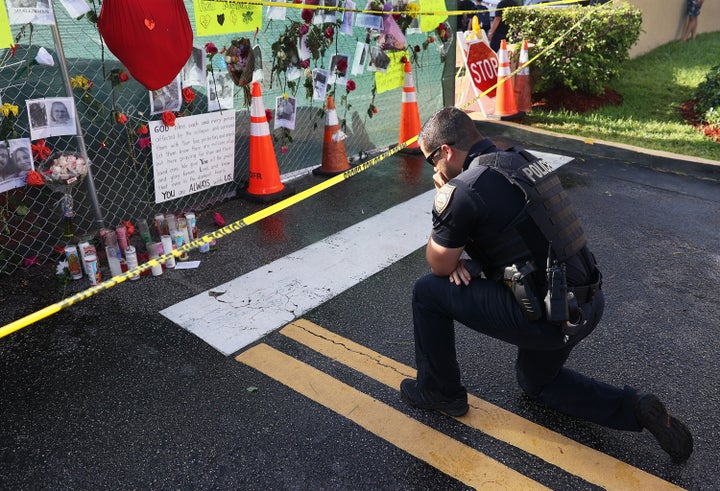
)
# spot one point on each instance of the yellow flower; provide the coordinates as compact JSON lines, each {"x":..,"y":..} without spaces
{"x":7,"y":109}
{"x":80,"y":82}
{"x":412,"y":9}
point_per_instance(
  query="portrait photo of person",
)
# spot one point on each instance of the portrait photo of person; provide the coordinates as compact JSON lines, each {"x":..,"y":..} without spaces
{"x":59,"y":114}
{"x":379,"y":61}
{"x":7,"y":166}
{"x":22,"y":4}
{"x":38,"y":114}
{"x":285,"y":112}
{"x":320,"y":77}
{"x":220,"y":89}
{"x":166,"y":98}
{"x":338,"y":68}
{"x":29,"y":11}
{"x":195,"y":72}
{"x":22,"y":158}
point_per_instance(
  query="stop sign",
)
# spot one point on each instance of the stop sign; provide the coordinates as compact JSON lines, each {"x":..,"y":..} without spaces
{"x":482,"y":63}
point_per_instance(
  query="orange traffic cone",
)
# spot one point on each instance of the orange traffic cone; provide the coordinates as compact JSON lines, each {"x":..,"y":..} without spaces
{"x":264,"y":184}
{"x":409,"y":113}
{"x":334,"y":158}
{"x":522,"y":82}
{"x":505,"y":105}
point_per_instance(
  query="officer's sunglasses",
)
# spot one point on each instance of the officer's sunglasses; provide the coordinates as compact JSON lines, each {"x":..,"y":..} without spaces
{"x":430,"y":159}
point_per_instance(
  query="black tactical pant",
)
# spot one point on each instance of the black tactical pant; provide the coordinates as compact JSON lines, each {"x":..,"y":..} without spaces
{"x":490,"y":308}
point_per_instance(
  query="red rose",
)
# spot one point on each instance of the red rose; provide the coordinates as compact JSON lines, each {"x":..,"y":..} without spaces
{"x":417,"y":48}
{"x":142,"y":130}
{"x":341,"y":65}
{"x":403,"y":60}
{"x":40,"y":151}
{"x":34,"y":178}
{"x":268,"y":115}
{"x":211,"y":49}
{"x":305,"y":63}
{"x":144,"y":142}
{"x":431,"y":39}
{"x":130,"y":227}
{"x":188,"y":95}
{"x":329,"y":32}
{"x":306,"y":15}
{"x":350,"y":86}
{"x":120,"y":118}
{"x":123,"y":77}
{"x":168,"y":118}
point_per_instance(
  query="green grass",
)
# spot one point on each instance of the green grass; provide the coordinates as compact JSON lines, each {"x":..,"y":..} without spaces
{"x":653,"y":87}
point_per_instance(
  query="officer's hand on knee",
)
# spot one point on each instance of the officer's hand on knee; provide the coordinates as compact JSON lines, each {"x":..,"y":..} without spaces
{"x":461,"y":276}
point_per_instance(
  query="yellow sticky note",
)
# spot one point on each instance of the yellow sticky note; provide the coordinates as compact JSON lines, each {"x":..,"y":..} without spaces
{"x":213,"y":17}
{"x":6,"y":37}
{"x":394,"y":77}
{"x":430,"y":22}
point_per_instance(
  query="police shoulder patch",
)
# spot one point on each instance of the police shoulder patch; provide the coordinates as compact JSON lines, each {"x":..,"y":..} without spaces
{"x":443,"y":197}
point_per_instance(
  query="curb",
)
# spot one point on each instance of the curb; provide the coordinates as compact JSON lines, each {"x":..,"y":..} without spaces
{"x":581,"y":146}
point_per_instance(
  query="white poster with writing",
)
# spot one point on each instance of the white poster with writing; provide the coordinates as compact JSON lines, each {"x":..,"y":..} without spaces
{"x":195,"y":154}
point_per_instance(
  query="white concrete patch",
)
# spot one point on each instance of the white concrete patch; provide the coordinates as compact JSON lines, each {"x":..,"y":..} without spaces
{"x":555,"y":161}
{"x":241,"y":311}
{"x":237,"y":313}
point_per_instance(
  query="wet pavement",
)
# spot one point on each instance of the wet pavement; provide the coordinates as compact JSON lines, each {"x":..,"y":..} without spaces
{"x":110,"y":394}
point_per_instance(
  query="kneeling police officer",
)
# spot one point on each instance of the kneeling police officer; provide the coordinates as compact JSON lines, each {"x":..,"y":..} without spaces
{"x":509,"y":259}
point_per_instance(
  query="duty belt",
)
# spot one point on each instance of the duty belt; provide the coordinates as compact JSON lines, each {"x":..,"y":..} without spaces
{"x":585,"y":293}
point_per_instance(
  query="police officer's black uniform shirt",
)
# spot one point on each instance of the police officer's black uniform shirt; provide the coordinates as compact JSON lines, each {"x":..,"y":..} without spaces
{"x":478,"y":204}
{"x":468,"y":207}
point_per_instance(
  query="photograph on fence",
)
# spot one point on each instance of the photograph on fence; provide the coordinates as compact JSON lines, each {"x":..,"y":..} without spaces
{"x":15,"y":162}
{"x":194,"y":73}
{"x":30,"y":11}
{"x":166,"y":98}
{"x":220,"y":90}
{"x":51,"y":117}
{"x":285,"y":110}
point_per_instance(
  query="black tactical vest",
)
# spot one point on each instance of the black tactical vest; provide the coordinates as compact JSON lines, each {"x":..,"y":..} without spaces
{"x":547,"y":217}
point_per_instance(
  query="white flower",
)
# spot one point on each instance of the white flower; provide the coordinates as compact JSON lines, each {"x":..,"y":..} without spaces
{"x":61,"y":266}
{"x":44,"y":58}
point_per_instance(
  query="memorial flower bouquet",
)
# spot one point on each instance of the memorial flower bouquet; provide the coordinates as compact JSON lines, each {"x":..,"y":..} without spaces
{"x":61,"y":172}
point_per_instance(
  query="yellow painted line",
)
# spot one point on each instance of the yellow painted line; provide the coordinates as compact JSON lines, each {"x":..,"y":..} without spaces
{"x":442,"y":452}
{"x":569,"y":455}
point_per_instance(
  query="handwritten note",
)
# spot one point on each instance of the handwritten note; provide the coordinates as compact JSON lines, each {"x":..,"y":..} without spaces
{"x":195,"y":154}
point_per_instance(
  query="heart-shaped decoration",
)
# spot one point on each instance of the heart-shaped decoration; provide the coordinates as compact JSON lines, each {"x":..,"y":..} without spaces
{"x":205,"y":21}
{"x":154,"y":57}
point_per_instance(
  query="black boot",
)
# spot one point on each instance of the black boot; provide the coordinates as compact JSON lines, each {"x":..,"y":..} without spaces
{"x":672,"y":435}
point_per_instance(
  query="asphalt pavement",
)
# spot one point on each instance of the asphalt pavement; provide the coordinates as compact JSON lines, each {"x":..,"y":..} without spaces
{"x":111,"y":394}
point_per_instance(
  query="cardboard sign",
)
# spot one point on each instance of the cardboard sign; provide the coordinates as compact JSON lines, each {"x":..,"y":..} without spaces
{"x":195,"y":154}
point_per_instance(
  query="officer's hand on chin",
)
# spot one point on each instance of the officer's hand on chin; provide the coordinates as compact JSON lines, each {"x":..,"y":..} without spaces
{"x":439,"y":180}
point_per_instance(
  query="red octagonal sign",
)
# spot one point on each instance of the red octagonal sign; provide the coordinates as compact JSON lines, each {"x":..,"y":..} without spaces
{"x":482,"y":63}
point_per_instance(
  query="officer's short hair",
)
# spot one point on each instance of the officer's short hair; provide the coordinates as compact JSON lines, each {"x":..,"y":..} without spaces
{"x":449,"y":124}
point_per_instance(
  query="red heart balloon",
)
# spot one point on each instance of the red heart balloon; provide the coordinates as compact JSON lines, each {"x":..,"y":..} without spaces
{"x":153,"y":39}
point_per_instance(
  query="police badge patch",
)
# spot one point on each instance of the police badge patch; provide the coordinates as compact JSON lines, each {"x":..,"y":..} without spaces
{"x":442,"y":198}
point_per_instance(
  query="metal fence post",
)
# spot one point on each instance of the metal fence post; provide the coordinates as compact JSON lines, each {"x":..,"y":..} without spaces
{"x":99,"y":220}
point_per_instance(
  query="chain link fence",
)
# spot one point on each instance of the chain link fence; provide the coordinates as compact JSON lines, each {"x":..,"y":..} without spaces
{"x":122,"y":172}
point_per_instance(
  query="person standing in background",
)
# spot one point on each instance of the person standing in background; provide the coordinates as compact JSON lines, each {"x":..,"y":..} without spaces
{"x":693,"y":12}
{"x":499,"y":29}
